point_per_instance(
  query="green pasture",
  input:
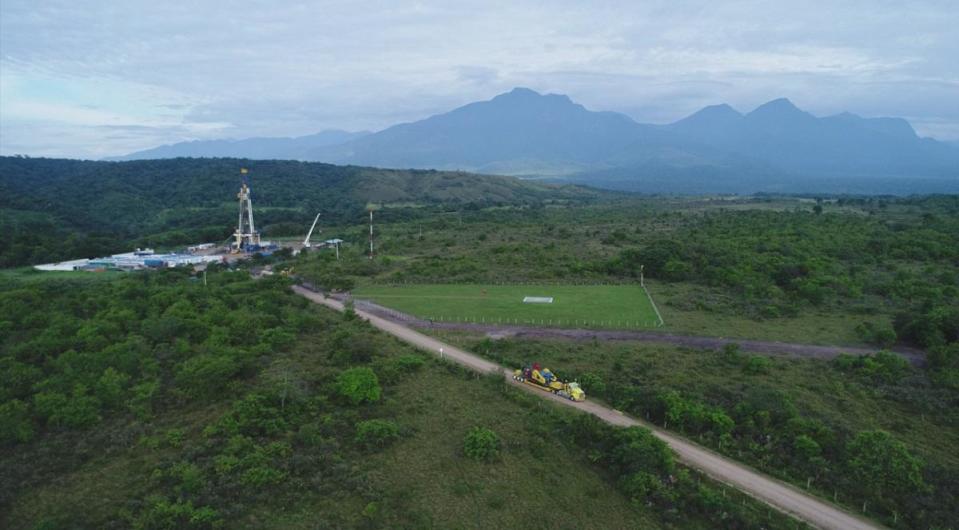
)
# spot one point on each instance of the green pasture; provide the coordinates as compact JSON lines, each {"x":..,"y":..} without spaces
{"x":607,"y":306}
{"x":31,"y":275}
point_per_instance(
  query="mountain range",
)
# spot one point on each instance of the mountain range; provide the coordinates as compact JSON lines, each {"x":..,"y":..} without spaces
{"x":298,"y":148}
{"x":776,"y":147}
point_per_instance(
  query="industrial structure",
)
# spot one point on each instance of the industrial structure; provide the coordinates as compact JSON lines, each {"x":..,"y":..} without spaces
{"x":246,"y":238}
{"x":306,"y":242}
{"x":137,"y":260}
{"x":245,"y":241}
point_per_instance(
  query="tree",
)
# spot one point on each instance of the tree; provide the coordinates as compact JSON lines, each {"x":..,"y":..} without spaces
{"x":358,"y":385}
{"x":883,"y":466}
{"x":636,"y":449}
{"x":481,"y":444}
{"x":109,"y":387}
{"x":76,"y":410}
{"x":673,"y":407}
{"x":205,"y":374}
{"x":15,"y":425}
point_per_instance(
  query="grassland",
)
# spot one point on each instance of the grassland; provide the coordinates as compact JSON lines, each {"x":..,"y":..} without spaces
{"x":614,"y":306}
{"x":685,"y":309}
{"x":31,"y":275}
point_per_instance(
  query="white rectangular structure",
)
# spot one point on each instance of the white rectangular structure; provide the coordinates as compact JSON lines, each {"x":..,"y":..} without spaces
{"x":62,"y":266}
{"x":538,"y":300}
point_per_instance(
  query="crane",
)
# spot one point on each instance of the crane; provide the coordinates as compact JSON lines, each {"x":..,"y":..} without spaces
{"x":306,"y":242}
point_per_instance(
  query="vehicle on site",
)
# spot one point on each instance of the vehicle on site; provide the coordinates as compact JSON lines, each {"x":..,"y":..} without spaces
{"x":544,"y":379}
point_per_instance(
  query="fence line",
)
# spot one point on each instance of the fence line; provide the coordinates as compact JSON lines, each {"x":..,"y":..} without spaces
{"x":656,"y":309}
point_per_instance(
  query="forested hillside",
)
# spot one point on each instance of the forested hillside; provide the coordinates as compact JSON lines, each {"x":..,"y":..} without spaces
{"x":53,"y":209}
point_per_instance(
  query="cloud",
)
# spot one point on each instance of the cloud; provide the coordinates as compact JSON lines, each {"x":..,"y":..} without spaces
{"x":253,"y":68}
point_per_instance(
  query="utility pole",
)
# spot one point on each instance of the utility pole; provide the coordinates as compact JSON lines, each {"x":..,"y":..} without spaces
{"x":371,"y":233}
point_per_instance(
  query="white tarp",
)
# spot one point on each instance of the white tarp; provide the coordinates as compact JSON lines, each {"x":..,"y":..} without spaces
{"x":538,"y":300}
{"x":62,"y":266}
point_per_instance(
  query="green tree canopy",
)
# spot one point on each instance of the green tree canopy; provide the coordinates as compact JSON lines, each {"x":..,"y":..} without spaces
{"x":358,"y":385}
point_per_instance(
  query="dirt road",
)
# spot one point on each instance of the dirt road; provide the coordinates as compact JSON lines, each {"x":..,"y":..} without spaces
{"x":775,"y":493}
{"x":915,"y":357}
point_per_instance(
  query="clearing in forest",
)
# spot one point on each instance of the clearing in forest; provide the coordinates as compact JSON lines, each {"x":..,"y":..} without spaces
{"x":607,"y":306}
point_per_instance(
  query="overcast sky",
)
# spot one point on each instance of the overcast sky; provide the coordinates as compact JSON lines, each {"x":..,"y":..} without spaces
{"x":96,"y":78}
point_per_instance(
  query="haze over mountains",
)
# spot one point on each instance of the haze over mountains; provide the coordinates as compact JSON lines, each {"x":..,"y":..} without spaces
{"x":255,"y":148}
{"x":776,"y":147}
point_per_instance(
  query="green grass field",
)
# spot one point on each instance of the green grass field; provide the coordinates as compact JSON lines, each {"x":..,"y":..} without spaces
{"x":607,"y":306}
{"x":31,"y":275}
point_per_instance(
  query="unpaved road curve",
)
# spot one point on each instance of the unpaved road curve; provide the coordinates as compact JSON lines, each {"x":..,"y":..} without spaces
{"x":773,"y":492}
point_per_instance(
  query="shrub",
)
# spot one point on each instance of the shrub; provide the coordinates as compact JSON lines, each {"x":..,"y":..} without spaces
{"x":636,"y":449}
{"x":732,"y":353}
{"x":881,"y":334}
{"x":163,"y":514}
{"x":376,"y":433}
{"x":592,"y":384}
{"x":358,"y":385}
{"x":409,"y":363}
{"x":481,"y":444}
{"x":883,"y":366}
{"x":757,"y":365}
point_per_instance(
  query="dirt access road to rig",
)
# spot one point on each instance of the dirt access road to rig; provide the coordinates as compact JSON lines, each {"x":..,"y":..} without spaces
{"x":775,"y":493}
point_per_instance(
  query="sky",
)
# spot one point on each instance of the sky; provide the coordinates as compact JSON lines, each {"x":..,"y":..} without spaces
{"x":101,"y":78}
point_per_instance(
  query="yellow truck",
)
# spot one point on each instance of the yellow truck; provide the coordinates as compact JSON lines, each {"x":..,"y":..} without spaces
{"x":544,"y":379}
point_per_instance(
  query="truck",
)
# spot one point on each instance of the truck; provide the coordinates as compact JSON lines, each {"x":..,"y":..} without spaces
{"x":544,"y":379}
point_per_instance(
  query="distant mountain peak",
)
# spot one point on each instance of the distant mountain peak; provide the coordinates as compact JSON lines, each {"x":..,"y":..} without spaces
{"x":779,"y":106}
{"x":719,"y":111}
{"x":526,"y":95}
{"x":722,"y":108}
{"x":522,"y":91}
{"x":779,"y":112}
{"x":721,"y":115}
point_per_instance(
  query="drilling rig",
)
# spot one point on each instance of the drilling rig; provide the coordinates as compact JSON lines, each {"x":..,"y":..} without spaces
{"x":246,"y":238}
